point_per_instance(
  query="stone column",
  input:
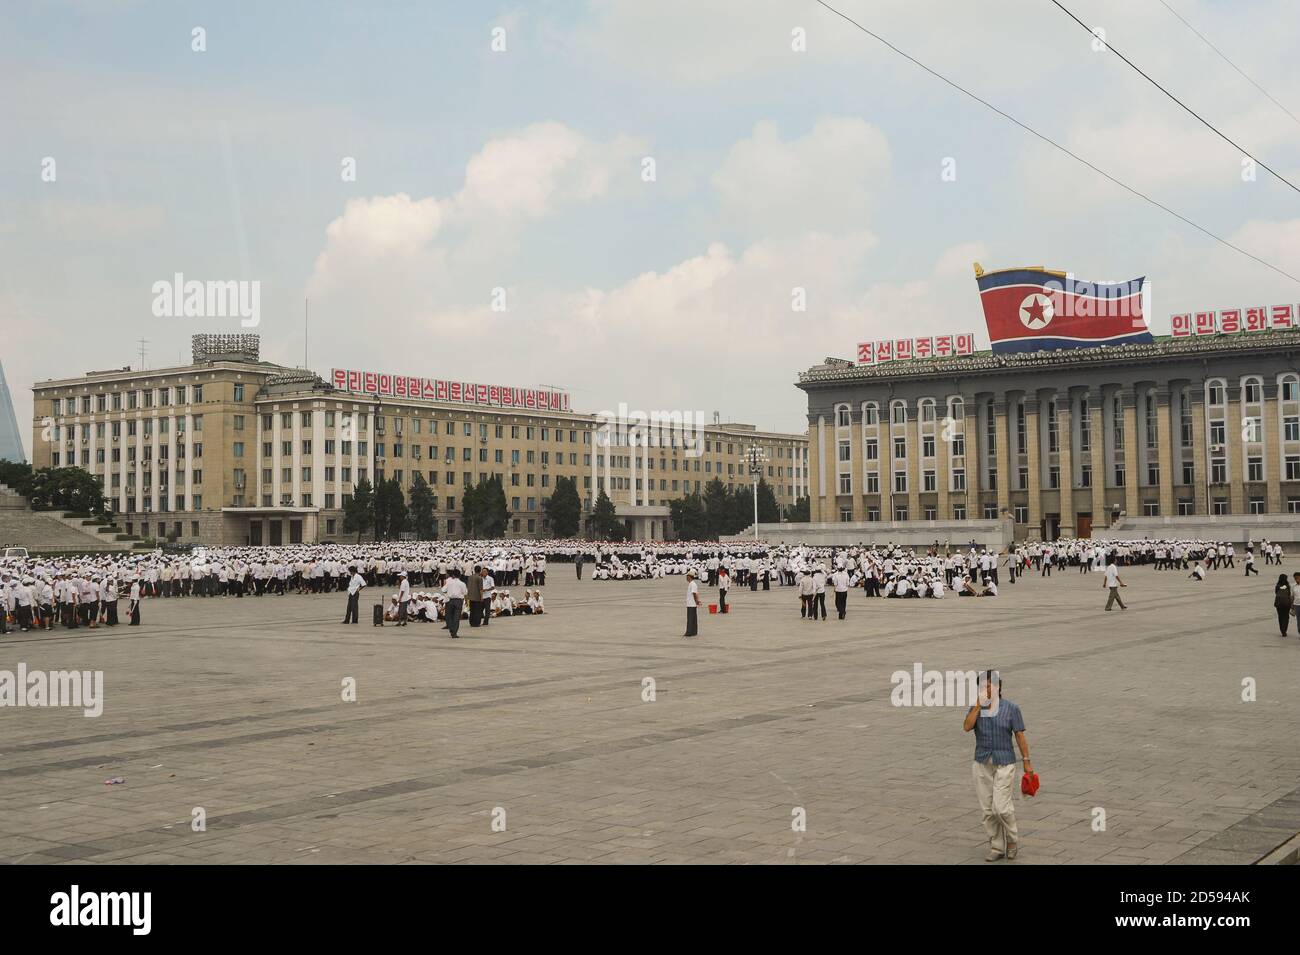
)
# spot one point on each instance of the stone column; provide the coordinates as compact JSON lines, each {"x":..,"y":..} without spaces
{"x":1272,"y":442}
{"x":971,"y":434}
{"x":1097,"y":442}
{"x":1035,"y":518}
{"x":943,"y":459}
{"x":1065,"y":463}
{"x":1002,"y":454}
{"x":914,"y":463}
{"x":1132,"y":452}
{"x":1235,"y":454}
{"x":1165,"y":430}
{"x":1200,"y":463}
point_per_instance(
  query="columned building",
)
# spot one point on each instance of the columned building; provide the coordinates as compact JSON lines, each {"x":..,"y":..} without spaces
{"x":1063,"y":442}
{"x":234,"y":450}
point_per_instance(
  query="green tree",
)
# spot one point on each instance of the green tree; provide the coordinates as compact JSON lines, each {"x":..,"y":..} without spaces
{"x":717,"y":509}
{"x":397,"y":511}
{"x":492,"y":514}
{"x":69,"y":489}
{"x":604,"y":519}
{"x":359,"y":512}
{"x":742,"y":509}
{"x":469,"y":511}
{"x":801,"y":512}
{"x":769,"y":512}
{"x":689,"y":522}
{"x":421,"y":507}
{"x":563,"y":508}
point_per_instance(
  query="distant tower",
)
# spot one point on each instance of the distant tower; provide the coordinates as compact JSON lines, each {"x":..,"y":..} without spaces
{"x":11,"y":442}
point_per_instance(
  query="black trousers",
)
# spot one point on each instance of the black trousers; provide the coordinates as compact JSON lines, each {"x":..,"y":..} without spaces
{"x":1283,"y":618}
{"x":453,"y":614}
{"x":722,"y":601}
{"x":841,"y":603}
{"x":820,"y":602}
{"x":354,"y":604}
{"x":692,"y":622}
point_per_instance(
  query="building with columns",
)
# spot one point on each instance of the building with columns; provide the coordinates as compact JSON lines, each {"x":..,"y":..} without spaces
{"x":1180,"y":433}
{"x":234,"y":450}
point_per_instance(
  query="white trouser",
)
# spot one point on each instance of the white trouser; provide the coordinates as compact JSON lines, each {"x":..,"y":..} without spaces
{"x":993,"y":786}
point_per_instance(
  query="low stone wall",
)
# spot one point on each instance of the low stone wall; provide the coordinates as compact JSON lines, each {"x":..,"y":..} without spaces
{"x":916,"y":535}
{"x":1237,"y":528}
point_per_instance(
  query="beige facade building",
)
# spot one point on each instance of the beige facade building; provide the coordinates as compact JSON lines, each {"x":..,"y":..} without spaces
{"x":1179,"y":433}
{"x":231,"y":449}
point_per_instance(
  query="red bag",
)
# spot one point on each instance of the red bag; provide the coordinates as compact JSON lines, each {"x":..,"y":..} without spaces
{"x":1029,"y":784}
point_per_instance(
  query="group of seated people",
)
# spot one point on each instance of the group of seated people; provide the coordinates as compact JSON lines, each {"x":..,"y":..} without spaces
{"x":431,"y":607}
{"x":932,"y":585}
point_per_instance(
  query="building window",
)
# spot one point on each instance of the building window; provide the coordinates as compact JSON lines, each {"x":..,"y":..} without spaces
{"x":1221,"y":506}
{"x":1119,"y":475}
{"x":846,"y":515}
{"x":843,"y":449}
{"x":1257,"y":505}
{"x":1293,"y":505}
{"x":846,"y":484}
{"x":900,"y":482}
{"x":990,"y":512}
{"x":1085,"y":475}
{"x":1054,"y":476}
{"x":873,"y":482}
{"x":1186,"y":508}
{"x":928,"y":481}
{"x":873,"y":513}
{"x":959,"y":512}
{"x":1150,"y":509}
{"x":842,"y":418}
{"x":1022,"y":475}
{"x":1254,"y":469}
{"x":900,"y":512}
{"x":1022,"y":514}
{"x":1219,"y":471}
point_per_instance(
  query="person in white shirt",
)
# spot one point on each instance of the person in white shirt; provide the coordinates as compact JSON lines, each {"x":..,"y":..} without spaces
{"x":1113,"y":584}
{"x":135,"y":602}
{"x":354,"y":596}
{"x":403,"y":598}
{"x":489,"y":590}
{"x":724,"y":584}
{"x":840,"y":581}
{"x":692,"y":605}
{"x":455,"y":591}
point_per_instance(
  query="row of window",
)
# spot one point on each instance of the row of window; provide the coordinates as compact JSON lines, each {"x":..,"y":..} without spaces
{"x":143,"y":398}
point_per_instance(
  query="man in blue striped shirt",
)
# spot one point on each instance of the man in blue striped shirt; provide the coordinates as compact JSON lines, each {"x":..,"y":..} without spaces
{"x":997,"y":723}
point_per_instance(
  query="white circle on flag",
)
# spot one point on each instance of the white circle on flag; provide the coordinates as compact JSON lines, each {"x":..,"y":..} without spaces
{"x":1036,"y":311}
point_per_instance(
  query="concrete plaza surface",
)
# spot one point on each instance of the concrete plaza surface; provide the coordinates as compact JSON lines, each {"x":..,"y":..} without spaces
{"x":540,"y":725}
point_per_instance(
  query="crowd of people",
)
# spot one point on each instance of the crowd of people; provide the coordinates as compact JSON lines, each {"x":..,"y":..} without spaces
{"x":426,"y":577}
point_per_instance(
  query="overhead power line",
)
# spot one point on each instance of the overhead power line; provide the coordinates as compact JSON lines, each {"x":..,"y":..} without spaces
{"x":1223,"y":56}
{"x":1055,"y":145}
{"x":1191,"y":112}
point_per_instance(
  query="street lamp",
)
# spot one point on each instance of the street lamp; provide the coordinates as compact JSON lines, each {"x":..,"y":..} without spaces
{"x":756,"y":457}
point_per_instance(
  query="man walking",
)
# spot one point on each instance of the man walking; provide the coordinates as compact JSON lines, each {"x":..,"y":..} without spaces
{"x":454,"y":590}
{"x":840,"y":580}
{"x":1113,"y":584}
{"x":403,"y":598}
{"x":692,"y":605}
{"x":997,"y":722}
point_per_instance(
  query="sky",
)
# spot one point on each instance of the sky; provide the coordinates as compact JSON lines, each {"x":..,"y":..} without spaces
{"x":618,"y":199}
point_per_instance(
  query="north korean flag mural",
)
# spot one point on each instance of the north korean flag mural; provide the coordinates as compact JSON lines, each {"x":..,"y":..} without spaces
{"x":1037,"y":310}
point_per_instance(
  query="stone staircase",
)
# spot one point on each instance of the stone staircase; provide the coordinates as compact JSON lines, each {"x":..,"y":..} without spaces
{"x":55,"y":531}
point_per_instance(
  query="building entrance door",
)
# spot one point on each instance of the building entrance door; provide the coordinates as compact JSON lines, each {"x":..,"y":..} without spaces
{"x":1085,"y":526}
{"x":277,"y":533}
{"x":255,"y":533}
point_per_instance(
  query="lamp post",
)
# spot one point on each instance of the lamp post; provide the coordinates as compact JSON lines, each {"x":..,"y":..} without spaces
{"x":757,"y":457}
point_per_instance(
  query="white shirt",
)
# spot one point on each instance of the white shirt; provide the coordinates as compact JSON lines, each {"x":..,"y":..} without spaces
{"x":1112,"y":575}
{"x":692,"y":594}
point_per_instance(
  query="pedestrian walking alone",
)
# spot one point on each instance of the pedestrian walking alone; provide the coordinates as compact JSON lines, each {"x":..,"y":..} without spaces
{"x":1113,"y":584}
{"x":1283,"y":601}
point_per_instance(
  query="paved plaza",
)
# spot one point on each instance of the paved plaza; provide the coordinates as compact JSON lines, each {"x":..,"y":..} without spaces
{"x":542,"y":726}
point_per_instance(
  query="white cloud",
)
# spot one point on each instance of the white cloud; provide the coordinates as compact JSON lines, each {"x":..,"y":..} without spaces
{"x":823,"y":182}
